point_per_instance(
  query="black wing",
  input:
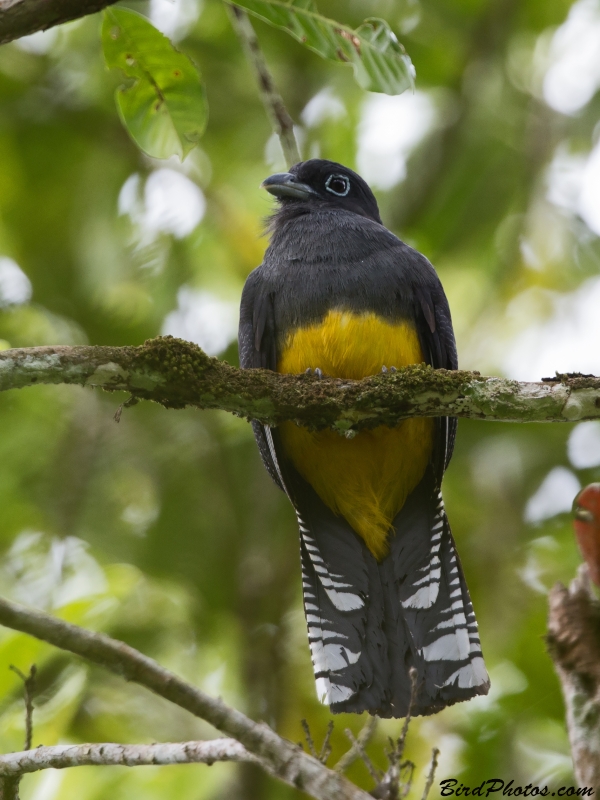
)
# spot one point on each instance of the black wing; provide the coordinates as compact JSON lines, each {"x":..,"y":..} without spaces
{"x":258,"y":349}
{"x":434,"y":325}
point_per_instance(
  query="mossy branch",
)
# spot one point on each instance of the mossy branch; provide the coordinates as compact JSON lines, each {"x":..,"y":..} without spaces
{"x":177,"y":374}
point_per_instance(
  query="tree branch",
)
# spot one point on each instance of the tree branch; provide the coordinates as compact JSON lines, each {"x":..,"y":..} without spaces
{"x":279,"y":757}
{"x":22,"y":17}
{"x":29,"y":684}
{"x":123,"y":755}
{"x":280,"y":120}
{"x":9,"y":788}
{"x":176,"y":374}
{"x":574,"y":644}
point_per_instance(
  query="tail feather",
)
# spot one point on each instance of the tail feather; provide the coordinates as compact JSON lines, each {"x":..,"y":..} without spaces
{"x":335,"y":642}
{"x":370,"y":622}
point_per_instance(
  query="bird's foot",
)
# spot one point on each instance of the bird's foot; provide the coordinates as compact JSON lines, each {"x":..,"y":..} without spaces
{"x":316,"y":372}
{"x":384,"y":369}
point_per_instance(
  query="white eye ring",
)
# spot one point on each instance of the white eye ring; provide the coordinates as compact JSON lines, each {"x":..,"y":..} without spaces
{"x":336,"y":177}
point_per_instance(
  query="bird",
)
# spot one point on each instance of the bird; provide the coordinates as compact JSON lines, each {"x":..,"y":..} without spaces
{"x":391,"y":626}
{"x":586,"y":522}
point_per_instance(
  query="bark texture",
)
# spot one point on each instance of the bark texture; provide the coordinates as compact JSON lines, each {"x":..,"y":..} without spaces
{"x":178,"y":374}
{"x":574,"y":645}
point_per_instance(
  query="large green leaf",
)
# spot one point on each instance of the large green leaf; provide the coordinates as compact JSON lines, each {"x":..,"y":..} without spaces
{"x":164,"y":109}
{"x":379,"y":60}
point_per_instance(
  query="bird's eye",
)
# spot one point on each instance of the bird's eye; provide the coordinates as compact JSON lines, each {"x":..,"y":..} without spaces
{"x":338,"y":184}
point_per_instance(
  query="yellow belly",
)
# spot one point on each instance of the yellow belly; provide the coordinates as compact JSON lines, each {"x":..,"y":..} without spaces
{"x":366,"y":479}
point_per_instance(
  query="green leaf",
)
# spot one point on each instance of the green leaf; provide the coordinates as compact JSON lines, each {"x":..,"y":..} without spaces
{"x":164,"y":109}
{"x":379,"y":60}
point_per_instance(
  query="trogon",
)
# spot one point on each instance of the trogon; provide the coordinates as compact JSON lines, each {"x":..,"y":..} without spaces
{"x":339,"y":295}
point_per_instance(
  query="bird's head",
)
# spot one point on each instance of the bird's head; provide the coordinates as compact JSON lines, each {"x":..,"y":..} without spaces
{"x":326,"y":184}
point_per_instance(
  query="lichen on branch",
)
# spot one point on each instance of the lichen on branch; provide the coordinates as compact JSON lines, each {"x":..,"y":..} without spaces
{"x":124,"y":755}
{"x":177,"y":374}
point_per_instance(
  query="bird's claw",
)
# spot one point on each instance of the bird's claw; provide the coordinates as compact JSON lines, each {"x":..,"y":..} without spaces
{"x":384,"y":369}
{"x":318,"y":372}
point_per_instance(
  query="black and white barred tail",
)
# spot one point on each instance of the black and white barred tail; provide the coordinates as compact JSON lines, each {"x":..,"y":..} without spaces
{"x":369,"y":622}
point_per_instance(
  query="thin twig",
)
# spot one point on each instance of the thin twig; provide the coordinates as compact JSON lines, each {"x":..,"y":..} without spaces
{"x":309,"y":740}
{"x":376,"y":774}
{"x":430,"y":777}
{"x":391,"y":785}
{"x":276,"y":755}
{"x":401,"y":743}
{"x":280,"y":120}
{"x":405,"y":784}
{"x":9,"y":786}
{"x":364,"y":737}
{"x":326,"y":747}
{"x":133,"y":401}
{"x":29,"y":691}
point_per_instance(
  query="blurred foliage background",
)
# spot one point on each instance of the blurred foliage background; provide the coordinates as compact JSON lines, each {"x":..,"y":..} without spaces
{"x":165,"y":530}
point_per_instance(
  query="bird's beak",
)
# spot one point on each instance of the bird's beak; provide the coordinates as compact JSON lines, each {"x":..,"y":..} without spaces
{"x":284,"y":184}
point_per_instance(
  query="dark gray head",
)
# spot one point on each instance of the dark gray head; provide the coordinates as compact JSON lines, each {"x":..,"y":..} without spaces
{"x":323,"y":183}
